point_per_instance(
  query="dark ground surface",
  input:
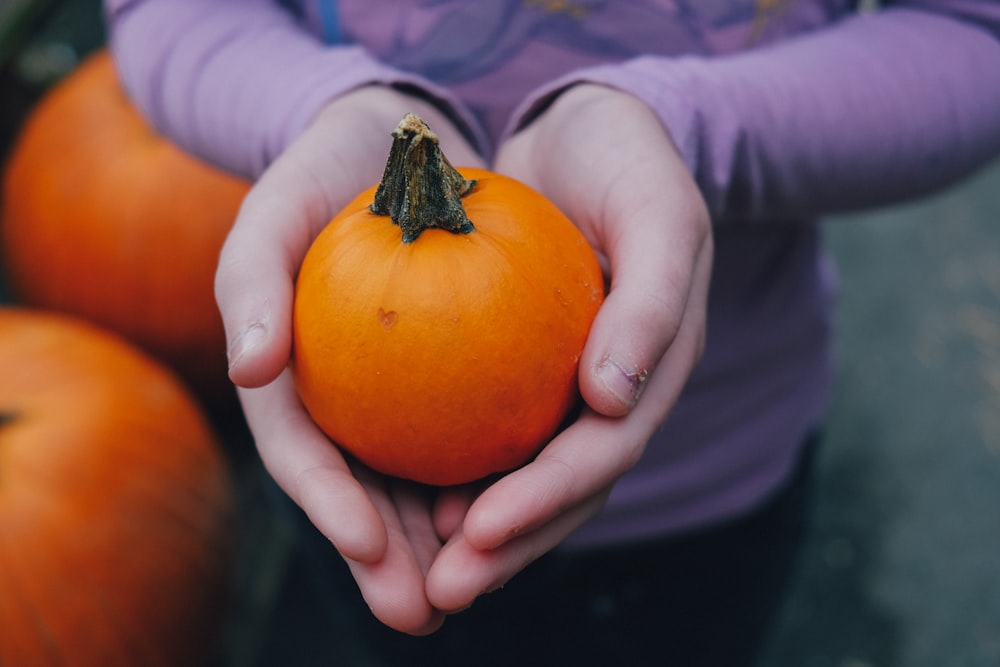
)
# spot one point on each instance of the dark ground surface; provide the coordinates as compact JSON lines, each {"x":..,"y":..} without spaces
{"x":901,"y":566}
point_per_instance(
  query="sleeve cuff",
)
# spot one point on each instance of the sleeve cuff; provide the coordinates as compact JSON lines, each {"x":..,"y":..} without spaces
{"x":202,"y":97}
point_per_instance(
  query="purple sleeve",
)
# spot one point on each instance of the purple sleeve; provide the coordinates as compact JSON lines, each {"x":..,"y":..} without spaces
{"x":874,"y":109}
{"x":235,"y":81}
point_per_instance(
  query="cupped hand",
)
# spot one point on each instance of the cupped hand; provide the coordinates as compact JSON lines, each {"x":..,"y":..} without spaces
{"x":382,"y":528}
{"x":607,"y":162}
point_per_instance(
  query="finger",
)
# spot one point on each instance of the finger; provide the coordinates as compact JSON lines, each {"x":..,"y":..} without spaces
{"x":450,"y":508}
{"x":588,"y":456}
{"x":369,"y":526}
{"x":413,"y":506}
{"x":462,"y":572}
{"x":254,"y":280}
{"x":373,"y":528}
{"x":654,"y":229}
{"x":393,"y":586}
{"x":312,"y":471}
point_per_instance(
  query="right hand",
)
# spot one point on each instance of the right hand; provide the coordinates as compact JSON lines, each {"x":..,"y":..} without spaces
{"x":382,"y":528}
{"x":606,"y":160}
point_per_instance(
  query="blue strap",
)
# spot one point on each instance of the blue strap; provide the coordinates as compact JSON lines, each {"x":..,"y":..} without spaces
{"x":331,"y":25}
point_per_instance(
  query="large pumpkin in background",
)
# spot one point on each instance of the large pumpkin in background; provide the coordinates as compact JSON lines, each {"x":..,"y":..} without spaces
{"x":115,"y":503}
{"x":104,"y":219}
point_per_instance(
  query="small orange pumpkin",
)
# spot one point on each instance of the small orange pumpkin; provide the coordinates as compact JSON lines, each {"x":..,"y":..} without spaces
{"x":104,"y":219}
{"x":438,"y":338}
{"x":115,"y":503}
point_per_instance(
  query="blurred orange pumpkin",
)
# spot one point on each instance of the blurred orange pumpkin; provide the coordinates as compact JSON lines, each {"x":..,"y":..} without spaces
{"x":115,"y":503}
{"x":104,"y":219}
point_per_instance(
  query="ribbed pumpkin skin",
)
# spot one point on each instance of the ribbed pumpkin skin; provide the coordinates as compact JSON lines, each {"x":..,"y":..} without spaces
{"x":115,"y":504}
{"x":452,"y":357}
{"x":104,"y":219}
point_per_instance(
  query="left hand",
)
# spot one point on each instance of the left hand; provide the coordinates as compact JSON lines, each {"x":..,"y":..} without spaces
{"x":605,"y":159}
{"x":380,"y":526}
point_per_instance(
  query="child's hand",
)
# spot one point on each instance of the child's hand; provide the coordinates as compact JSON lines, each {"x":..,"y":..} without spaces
{"x":606,"y":160}
{"x":382,"y":528}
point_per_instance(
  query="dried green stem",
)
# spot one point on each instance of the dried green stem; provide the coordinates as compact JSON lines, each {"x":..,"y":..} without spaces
{"x":420,"y":189}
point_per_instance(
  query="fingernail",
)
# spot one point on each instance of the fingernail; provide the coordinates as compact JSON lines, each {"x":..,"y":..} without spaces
{"x":247,"y":340}
{"x":626,"y":385}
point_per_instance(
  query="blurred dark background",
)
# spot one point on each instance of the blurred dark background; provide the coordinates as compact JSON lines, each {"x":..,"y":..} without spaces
{"x":902,"y":562}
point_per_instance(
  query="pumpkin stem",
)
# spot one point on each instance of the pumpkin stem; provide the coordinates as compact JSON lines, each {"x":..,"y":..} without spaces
{"x":420,"y":188}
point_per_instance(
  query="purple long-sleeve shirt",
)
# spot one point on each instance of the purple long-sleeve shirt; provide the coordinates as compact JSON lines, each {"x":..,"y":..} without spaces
{"x":784,"y":110}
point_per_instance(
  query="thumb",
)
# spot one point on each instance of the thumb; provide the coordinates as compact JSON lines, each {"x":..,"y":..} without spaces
{"x":658,"y":248}
{"x":254,"y":282}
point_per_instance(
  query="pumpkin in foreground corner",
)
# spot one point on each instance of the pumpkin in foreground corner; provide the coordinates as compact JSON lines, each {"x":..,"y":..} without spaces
{"x":439,"y":319}
{"x":115,"y":504}
{"x":105,"y":219}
